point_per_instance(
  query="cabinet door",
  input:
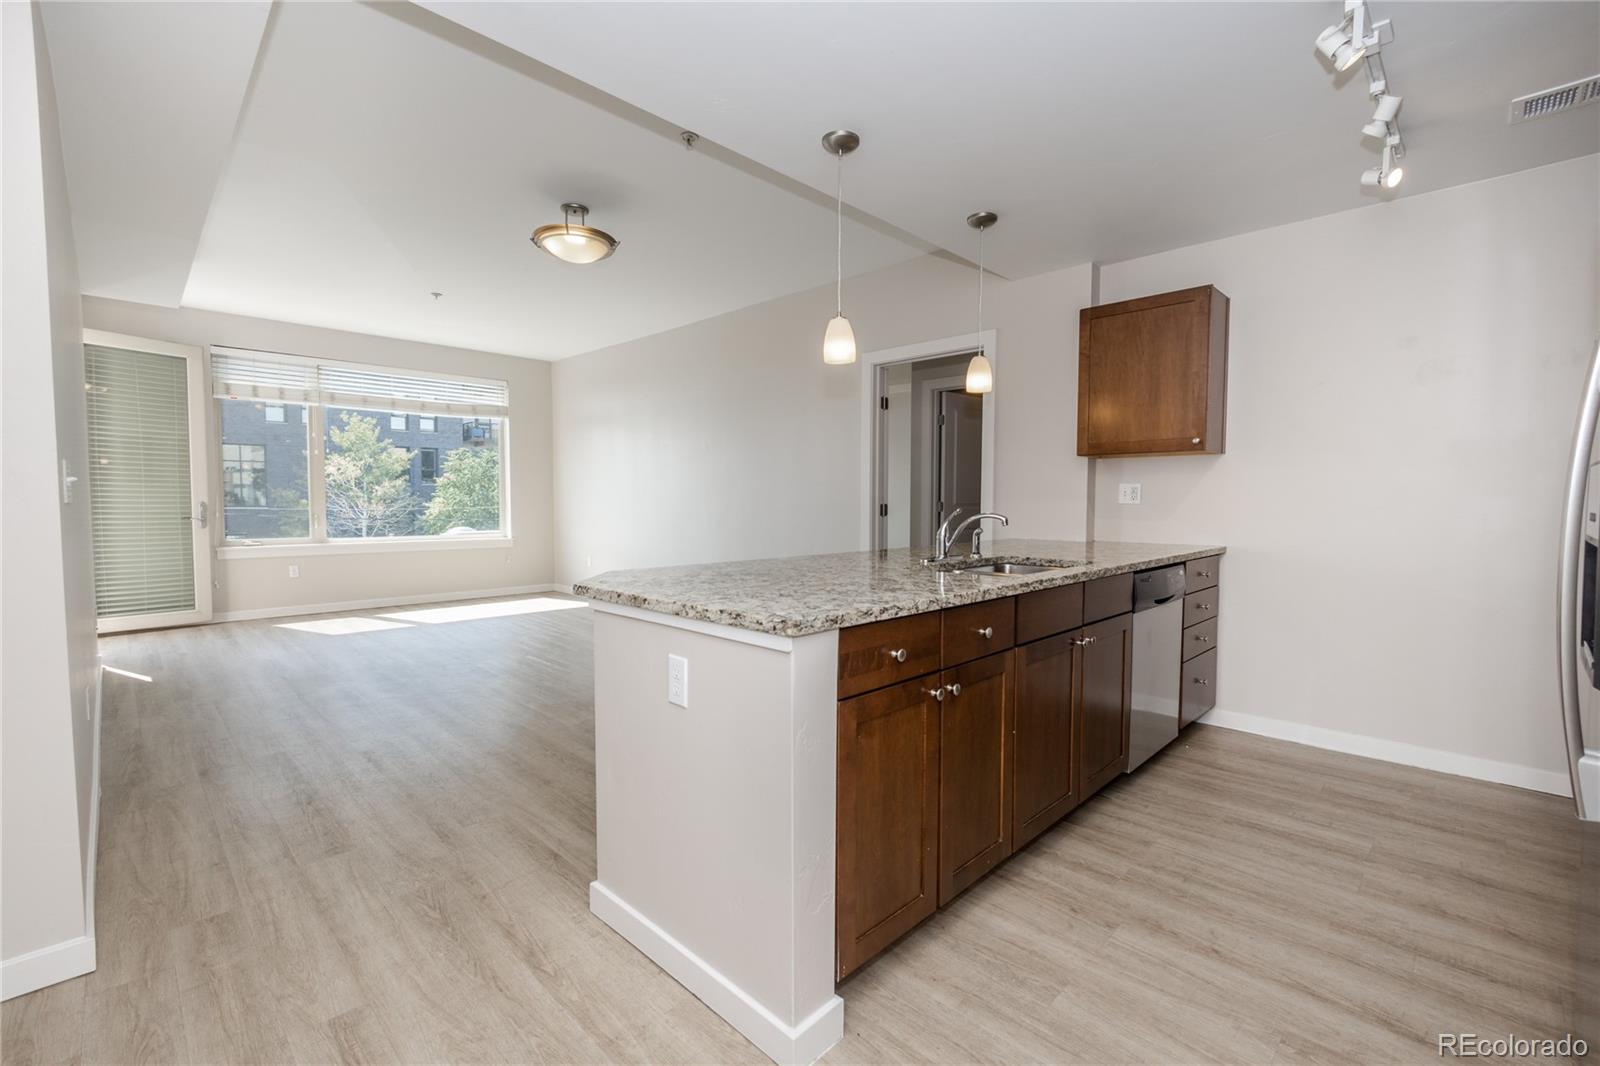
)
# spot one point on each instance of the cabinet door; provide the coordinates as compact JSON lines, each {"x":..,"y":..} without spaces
{"x":975,"y":748}
{"x":888,"y":817}
{"x":1045,"y":762}
{"x":1105,"y":693}
{"x":1152,"y":374}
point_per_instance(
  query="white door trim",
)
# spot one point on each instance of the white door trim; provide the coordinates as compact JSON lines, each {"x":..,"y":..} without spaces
{"x":199,"y":477}
{"x":870,"y":362}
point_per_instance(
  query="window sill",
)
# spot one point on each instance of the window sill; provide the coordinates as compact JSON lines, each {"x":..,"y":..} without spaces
{"x":267,"y":550}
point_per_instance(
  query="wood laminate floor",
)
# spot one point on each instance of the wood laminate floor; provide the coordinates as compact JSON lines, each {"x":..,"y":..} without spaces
{"x":376,"y":845}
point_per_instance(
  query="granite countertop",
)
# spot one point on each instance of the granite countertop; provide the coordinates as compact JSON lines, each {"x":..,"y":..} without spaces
{"x":815,"y":593}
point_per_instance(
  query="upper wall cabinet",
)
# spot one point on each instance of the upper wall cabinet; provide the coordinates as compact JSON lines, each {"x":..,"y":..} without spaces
{"x":1153,"y":375}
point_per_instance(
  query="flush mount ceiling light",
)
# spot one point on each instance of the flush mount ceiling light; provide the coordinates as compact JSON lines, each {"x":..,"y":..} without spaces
{"x":980,"y":374}
{"x":574,"y":242}
{"x":1357,"y":37}
{"x":839,"y":339}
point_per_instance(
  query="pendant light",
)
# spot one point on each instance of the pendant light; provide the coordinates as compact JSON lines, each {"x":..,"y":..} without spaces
{"x":575,"y":243}
{"x":839,"y":341}
{"x":980,"y":375}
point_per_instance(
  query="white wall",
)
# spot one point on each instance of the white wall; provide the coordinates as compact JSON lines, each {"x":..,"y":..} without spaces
{"x":730,"y":439}
{"x":261,"y":584}
{"x":47,"y":641}
{"x":1402,"y":384}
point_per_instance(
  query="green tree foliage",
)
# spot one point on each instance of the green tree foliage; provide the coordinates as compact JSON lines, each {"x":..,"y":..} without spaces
{"x":368,"y":482}
{"x":467,"y":492}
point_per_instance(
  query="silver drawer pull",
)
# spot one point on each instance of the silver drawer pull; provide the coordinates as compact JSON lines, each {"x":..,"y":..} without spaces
{"x":1202,"y":607}
{"x":1084,"y":641}
{"x":937,"y":694}
{"x":1201,"y":639}
{"x":955,"y":688}
{"x":898,"y":655}
{"x":987,"y":632}
{"x":1194,"y":440}
{"x":1202,"y":573}
{"x":1200,"y":681}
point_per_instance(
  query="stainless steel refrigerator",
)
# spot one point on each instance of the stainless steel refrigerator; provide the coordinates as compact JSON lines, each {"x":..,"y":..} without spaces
{"x":1577,"y":581}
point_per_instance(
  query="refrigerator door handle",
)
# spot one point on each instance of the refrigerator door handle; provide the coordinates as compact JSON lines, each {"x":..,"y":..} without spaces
{"x":1569,"y":569}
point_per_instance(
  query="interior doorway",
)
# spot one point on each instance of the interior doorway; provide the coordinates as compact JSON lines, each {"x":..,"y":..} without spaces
{"x":929,"y":448}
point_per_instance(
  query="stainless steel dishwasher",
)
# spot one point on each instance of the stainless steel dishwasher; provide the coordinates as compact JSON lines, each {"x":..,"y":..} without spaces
{"x":1157,"y":662}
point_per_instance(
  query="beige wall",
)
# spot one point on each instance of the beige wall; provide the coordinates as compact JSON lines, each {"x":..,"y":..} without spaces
{"x":47,"y":642}
{"x":1402,"y":384}
{"x":730,"y":439}
{"x":262,"y":584}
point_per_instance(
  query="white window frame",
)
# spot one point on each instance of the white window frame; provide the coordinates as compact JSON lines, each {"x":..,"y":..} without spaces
{"x":318,"y":542}
{"x":403,"y":422}
{"x":426,"y":424}
{"x":268,"y":408}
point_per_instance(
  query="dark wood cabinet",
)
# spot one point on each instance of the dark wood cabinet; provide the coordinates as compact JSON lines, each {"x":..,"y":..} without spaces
{"x":1044,"y":768}
{"x":1153,"y":374}
{"x":944,"y":774}
{"x":1105,"y":697}
{"x":975,"y":750}
{"x":888,"y":818}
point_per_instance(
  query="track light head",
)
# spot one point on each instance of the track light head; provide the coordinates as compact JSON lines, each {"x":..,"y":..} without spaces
{"x":1385,"y":108}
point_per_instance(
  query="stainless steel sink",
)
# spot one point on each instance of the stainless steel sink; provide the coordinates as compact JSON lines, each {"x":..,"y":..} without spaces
{"x":1004,"y":568}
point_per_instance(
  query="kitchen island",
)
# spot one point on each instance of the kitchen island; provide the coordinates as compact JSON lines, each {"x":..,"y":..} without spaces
{"x":719,"y":724}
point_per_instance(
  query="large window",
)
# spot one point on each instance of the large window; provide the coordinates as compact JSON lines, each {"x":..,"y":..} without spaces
{"x":264,"y":471}
{"x":381,"y":474}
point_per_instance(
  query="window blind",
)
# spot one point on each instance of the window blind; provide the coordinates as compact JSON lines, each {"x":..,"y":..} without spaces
{"x":140,"y":502}
{"x":238,"y":373}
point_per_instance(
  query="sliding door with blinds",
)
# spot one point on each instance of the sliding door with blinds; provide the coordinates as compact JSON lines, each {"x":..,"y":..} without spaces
{"x":146,"y":476}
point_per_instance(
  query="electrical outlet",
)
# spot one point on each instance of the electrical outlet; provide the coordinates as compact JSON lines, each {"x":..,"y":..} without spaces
{"x":678,"y":680}
{"x":294,"y":569}
{"x":1128,"y":492}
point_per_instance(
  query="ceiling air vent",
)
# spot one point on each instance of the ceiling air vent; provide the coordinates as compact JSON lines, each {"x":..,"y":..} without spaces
{"x":1553,"y":101}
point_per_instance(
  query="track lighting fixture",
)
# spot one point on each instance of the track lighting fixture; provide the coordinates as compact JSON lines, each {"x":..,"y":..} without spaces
{"x":1353,"y":38}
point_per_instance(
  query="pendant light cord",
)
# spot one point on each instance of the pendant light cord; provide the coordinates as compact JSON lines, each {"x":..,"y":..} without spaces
{"x":980,"y":288}
{"x":838,"y":263}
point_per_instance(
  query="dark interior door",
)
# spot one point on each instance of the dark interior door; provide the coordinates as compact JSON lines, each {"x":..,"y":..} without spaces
{"x":959,"y":478}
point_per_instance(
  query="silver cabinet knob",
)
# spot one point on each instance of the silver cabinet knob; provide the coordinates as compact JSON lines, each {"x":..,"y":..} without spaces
{"x":1202,"y":638}
{"x":898,"y":655}
{"x":1194,"y":440}
{"x":937,"y":694}
{"x":987,"y":632}
{"x":1202,"y":607}
{"x":1200,"y":681}
{"x":1202,"y":573}
{"x":955,"y":688}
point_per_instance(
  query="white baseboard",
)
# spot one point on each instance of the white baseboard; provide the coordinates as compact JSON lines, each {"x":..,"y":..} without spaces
{"x":47,"y":966}
{"x":383,"y":601}
{"x":790,"y":1045}
{"x":1448,"y":762}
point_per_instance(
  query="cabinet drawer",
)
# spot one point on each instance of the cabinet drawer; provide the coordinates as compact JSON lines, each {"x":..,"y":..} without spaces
{"x":1107,"y":597}
{"x":1202,"y":573}
{"x":1199,"y":692}
{"x":1048,"y":612}
{"x":1199,"y":639}
{"x":979,"y":629}
{"x":1199,"y":607}
{"x":881,"y":653}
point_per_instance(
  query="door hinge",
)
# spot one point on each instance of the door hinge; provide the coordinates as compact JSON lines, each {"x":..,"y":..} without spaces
{"x":883,"y":402}
{"x":883,"y":510}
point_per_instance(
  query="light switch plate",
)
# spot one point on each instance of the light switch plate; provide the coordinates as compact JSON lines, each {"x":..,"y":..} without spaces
{"x":678,"y":680}
{"x":294,"y":569}
{"x":1128,"y":492}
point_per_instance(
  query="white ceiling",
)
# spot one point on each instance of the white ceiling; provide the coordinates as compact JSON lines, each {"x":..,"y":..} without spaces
{"x":1098,"y":131}
{"x":148,"y":96}
{"x":381,"y":152}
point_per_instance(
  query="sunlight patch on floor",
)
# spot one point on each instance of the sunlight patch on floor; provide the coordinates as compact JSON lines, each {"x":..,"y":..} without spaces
{"x":146,"y":678}
{"x":340,"y":627}
{"x":470,"y":612}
